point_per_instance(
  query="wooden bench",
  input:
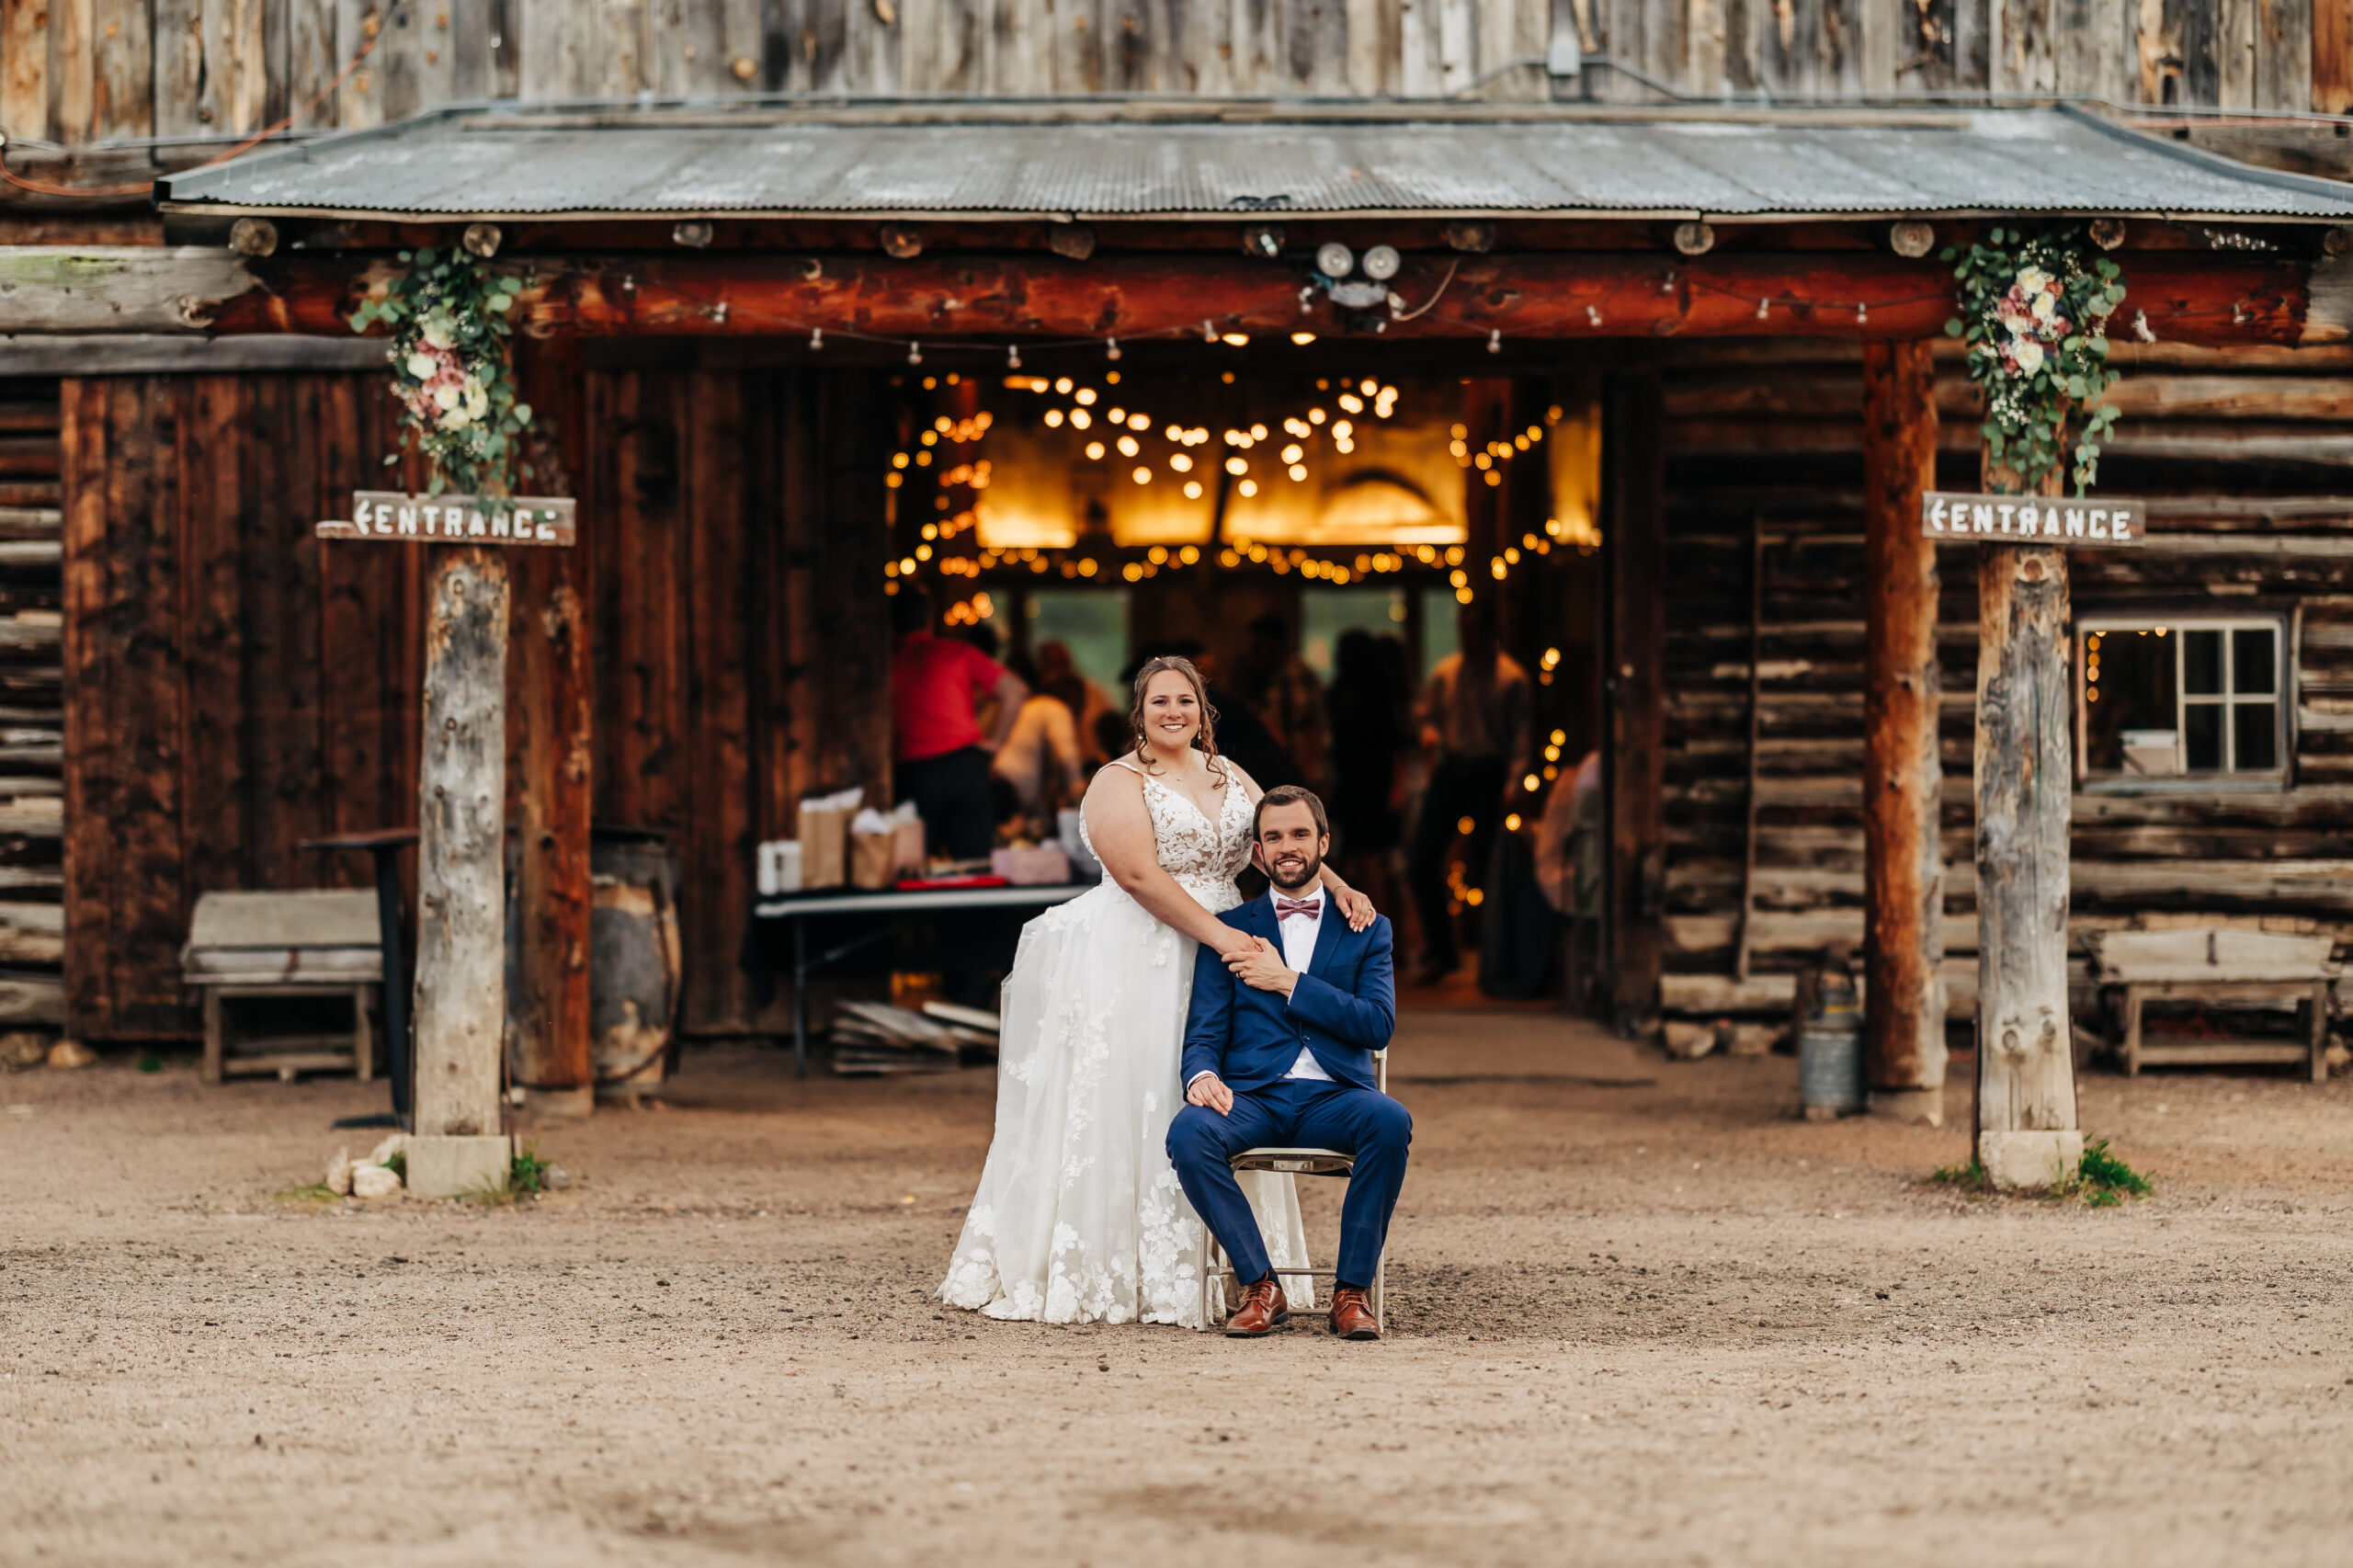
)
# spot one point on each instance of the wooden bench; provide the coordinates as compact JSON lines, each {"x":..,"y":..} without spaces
{"x":2221,"y":966}
{"x":306,"y":943}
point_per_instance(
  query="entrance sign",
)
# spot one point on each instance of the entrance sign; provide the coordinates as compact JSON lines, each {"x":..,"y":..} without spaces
{"x":391,"y":516}
{"x":2032,"y":519}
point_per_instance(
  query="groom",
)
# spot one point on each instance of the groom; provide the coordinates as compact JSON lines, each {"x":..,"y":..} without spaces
{"x":1279,"y":1051}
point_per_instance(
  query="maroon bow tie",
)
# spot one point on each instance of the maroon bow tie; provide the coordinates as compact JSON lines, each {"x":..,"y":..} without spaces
{"x":1287,"y":907}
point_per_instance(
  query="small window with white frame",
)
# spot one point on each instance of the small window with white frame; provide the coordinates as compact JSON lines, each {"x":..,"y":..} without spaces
{"x":2188,"y":697}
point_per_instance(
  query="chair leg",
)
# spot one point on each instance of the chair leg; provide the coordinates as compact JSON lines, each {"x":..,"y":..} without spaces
{"x":1381,"y":1292}
{"x":1209,"y":1262}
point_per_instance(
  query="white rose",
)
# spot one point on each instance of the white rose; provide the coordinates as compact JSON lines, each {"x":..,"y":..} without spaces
{"x":456,"y":419}
{"x":438,"y":332}
{"x":2045,"y":307}
{"x":477,"y":403}
{"x":424,"y":367}
{"x":2028,"y":354}
{"x":444,"y":397}
{"x":2032,"y":278}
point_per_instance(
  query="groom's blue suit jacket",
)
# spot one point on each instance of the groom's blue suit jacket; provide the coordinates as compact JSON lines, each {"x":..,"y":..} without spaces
{"x":1343,"y":1008}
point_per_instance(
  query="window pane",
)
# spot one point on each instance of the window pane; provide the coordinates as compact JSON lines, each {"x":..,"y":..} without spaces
{"x":2256,"y":727}
{"x":2201,"y":664}
{"x":2201,"y":725}
{"x":2128,"y":703}
{"x":2252,"y":663}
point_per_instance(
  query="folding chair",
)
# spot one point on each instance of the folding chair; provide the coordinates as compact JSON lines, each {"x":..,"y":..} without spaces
{"x":1216,"y":1269}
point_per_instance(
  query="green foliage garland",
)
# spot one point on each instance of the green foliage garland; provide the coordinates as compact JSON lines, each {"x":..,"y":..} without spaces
{"x":2034,"y":312}
{"x":449,"y":317}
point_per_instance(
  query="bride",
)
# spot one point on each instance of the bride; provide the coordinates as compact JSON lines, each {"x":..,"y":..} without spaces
{"x":1079,"y":1218}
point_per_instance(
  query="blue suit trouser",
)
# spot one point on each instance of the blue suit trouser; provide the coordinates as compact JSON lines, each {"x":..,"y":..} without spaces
{"x":1296,"y":1113}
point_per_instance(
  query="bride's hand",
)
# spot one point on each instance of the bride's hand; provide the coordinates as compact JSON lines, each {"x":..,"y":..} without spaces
{"x":1234,"y":944}
{"x":1356,"y":908}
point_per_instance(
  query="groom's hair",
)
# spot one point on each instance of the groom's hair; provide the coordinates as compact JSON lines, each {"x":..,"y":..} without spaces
{"x":1290,"y":795}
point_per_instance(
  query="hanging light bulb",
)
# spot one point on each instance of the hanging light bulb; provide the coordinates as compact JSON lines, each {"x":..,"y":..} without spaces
{"x":1209,"y":332}
{"x":914,"y":352}
{"x":1111,"y":349}
{"x":1495,"y":341}
{"x":1863,"y":313}
{"x":1013,"y":356}
{"x":816,"y":339}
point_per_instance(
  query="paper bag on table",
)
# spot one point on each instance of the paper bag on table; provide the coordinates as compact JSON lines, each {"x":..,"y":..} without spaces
{"x":870,"y":859}
{"x":824,"y":838}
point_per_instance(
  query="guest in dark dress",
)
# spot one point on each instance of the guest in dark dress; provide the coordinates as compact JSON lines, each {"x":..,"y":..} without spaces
{"x":1369,"y":735}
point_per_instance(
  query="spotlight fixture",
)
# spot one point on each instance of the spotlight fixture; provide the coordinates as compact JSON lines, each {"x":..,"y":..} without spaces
{"x":1381,"y":262}
{"x":1334,"y":259}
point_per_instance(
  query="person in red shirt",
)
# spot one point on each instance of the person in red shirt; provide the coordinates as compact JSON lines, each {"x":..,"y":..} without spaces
{"x":940,"y":757}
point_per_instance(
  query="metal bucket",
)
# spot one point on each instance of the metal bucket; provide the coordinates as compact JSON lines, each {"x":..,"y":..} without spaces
{"x":634,"y":959}
{"x":1830,"y":1066}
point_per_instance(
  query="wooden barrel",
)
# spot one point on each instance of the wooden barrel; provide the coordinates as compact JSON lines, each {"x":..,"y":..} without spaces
{"x":634,"y":959}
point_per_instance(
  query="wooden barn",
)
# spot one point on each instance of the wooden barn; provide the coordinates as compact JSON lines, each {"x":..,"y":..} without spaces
{"x":1663,"y":319}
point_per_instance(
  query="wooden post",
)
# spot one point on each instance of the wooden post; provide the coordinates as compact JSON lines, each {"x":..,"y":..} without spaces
{"x":550,"y":725}
{"x":1634,"y":546}
{"x":1903,"y":942}
{"x":462,"y":916}
{"x":2026,"y":1134}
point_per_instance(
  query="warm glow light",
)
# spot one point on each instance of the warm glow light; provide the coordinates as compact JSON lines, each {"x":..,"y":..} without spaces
{"x":1116,"y":415}
{"x":1080,"y":419}
{"x":1302,"y":338}
{"x":1084,"y":396}
{"x":1143,"y":475}
{"x":1234,"y":339}
{"x":1237,"y":465}
{"x":1511,"y":822}
{"x":1298,"y":471}
{"x":1315,"y":417}
{"x":1352,"y":402}
{"x":1181,"y":463}
{"x":1342,"y":430}
{"x":1532,"y":783}
{"x":1249,"y":488}
{"x":1189,"y":555}
{"x":922,"y":553}
{"x":1462,"y":596}
{"x":1095,"y":451}
{"x":1128,"y":447}
{"x":1061,"y":385}
{"x":1053,"y":418}
{"x":1192,"y":489}
{"x":1257,"y":432}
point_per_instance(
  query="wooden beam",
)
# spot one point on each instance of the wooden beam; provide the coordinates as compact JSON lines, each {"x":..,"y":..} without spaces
{"x":1903,"y":776}
{"x":2203,"y":298}
{"x":2026,"y":1131}
{"x":2332,"y":56}
{"x":1634,"y":684}
{"x":462,"y":903}
{"x":550,"y":746}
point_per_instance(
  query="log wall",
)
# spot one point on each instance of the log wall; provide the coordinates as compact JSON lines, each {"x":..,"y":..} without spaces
{"x":32,"y":743}
{"x":237,"y":686}
{"x":1769,"y":443}
{"x":96,"y":70}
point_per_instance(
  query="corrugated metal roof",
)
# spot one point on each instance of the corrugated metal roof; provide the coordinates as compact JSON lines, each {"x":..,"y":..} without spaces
{"x":944,"y":161}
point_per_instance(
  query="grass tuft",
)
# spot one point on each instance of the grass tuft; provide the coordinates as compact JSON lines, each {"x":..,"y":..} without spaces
{"x":317,"y":1193}
{"x":1970,"y":1178}
{"x":2106,"y":1180}
{"x":529,"y":1173}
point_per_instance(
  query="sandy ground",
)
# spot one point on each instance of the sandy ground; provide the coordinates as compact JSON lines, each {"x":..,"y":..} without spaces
{"x":1632,"y":1323}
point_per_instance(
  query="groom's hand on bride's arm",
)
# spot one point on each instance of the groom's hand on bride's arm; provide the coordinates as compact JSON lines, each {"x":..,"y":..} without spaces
{"x":1209,"y":1091}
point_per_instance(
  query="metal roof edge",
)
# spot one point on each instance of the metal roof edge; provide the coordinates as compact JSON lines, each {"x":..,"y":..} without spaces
{"x":2214,"y":163}
{"x":165,"y":194}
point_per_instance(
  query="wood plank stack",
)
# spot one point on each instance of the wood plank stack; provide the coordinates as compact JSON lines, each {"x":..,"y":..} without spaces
{"x":32,"y":740}
{"x":875,"y":1039}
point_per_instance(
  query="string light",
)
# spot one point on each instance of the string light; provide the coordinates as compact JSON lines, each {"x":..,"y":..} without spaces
{"x":1111,"y":349}
{"x":1495,"y":341}
{"x":1013,"y":356}
{"x":816,"y":339}
{"x":915,"y":352}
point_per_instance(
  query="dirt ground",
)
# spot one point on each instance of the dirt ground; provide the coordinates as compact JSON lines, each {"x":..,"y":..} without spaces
{"x":1640,"y":1314}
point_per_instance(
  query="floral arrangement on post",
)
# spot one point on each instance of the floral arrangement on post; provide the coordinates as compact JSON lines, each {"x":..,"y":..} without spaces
{"x":450,"y":321}
{"x":2034,"y":312}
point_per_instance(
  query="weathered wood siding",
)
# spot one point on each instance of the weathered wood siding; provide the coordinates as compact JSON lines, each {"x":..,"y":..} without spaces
{"x":1769,"y":439}
{"x":32,"y":745}
{"x":236,"y":687}
{"x":80,"y":71}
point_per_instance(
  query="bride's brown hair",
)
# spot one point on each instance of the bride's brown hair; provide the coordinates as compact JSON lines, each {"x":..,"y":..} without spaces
{"x":1205,"y":738}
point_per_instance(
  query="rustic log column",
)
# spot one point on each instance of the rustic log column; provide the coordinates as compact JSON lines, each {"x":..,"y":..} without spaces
{"x":462,"y":906}
{"x":549,"y":727}
{"x":2026,"y":1134}
{"x":1903,"y":776}
{"x":1633,"y":548}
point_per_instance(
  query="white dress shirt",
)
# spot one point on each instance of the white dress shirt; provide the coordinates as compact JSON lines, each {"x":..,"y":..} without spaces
{"x":1299,"y":950}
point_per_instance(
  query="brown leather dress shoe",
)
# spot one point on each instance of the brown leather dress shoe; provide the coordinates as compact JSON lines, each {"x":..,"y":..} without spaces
{"x":1352,"y":1314}
{"x":1262,"y":1310}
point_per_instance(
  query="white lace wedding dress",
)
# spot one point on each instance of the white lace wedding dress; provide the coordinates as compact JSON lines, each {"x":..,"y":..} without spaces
{"x":1079,"y":1218}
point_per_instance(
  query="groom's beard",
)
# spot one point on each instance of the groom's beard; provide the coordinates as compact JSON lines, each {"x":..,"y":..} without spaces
{"x":1307,"y":873}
